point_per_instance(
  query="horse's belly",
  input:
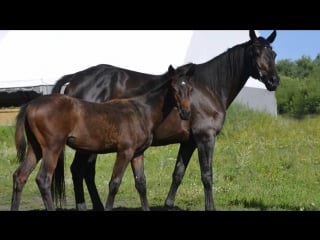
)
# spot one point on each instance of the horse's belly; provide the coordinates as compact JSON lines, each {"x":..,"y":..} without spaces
{"x":172,"y":130}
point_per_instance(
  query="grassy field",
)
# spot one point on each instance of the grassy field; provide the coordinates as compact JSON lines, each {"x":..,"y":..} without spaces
{"x":260,"y":163}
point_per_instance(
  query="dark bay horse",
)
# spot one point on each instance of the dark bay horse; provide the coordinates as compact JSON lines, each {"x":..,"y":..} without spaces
{"x":216,"y":83}
{"x":125,"y":126}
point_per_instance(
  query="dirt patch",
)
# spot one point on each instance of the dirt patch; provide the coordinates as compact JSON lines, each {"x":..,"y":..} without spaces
{"x":4,"y":208}
{"x":8,"y":116}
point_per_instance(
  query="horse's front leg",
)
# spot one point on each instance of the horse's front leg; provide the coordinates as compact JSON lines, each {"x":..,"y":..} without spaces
{"x":205,"y":145}
{"x":121,"y":163}
{"x":137,"y":166}
{"x":185,"y":152}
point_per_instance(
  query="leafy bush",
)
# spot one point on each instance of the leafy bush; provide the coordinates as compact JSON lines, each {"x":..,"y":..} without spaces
{"x":299,"y":92}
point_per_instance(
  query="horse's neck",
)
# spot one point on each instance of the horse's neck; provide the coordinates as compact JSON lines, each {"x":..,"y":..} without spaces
{"x":155,"y":106}
{"x":144,"y":86}
{"x":228,"y":73}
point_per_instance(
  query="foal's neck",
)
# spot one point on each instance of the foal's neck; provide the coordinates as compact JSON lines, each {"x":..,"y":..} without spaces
{"x":156,"y":105}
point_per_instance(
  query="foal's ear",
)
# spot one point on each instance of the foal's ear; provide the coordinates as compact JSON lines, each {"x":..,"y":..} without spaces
{"x":272,"y":36}
{"x":190,"y":71}
{"x":171,"y":69}
{"x":252,"y":34}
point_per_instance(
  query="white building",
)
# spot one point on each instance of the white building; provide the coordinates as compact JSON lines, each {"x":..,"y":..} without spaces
{"x":34,"y":60}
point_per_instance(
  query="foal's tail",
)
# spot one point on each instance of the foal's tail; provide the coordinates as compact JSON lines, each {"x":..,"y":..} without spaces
{"x":58,"y":184}
{"x":62,"y":81}
{"x":19,"y":133}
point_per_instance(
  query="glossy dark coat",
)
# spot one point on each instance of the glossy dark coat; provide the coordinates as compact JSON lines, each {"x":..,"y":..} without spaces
{"x":125,"y":126}
{"x":216,"y":83}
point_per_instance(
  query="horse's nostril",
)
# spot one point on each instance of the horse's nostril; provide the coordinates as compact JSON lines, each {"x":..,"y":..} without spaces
{"x":185,"y":114}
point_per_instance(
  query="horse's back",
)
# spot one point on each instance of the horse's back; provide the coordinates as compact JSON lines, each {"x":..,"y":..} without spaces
{"x":102,"y":82}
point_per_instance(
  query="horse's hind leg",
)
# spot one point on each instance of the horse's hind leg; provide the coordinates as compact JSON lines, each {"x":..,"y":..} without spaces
{"x":140,"y":181}
{"x":83,"y":167}
{"x":44,"y":177}
{"x":123,"y":158}
{"x":91,"y":185}
{"x":20,"y":177}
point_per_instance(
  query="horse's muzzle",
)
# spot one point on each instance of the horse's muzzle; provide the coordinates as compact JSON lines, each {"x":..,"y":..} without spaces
{"x":185,"y":114}
{"x":272,"y":83}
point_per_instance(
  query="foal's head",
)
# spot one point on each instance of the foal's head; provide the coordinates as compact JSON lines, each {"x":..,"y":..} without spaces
{"x":263,"y":60}
{"x":181,"y":89}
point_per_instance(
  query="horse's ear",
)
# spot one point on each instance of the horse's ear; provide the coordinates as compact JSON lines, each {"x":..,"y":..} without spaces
{"x":252,"y":34}
{"x":171,"y":69}
{"x":190,"y":71}
{"x":272,"y":36}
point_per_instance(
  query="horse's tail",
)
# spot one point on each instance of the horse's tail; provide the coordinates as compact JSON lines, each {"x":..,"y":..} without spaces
{"x":58,"y":185}
{"x":62,"y":81}
{"x":19,"y":133}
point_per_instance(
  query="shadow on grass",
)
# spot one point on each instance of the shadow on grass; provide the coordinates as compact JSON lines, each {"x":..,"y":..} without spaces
{"x":124,"y":209}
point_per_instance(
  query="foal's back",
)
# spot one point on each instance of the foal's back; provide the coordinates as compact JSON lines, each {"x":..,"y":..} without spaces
{"x":96,"y":127}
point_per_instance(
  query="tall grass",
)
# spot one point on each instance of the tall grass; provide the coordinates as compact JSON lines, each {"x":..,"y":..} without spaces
{"x":260,"y":163}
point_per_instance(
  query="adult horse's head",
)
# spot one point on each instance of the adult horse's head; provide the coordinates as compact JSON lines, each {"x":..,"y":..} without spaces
{"x":181,"y":87}
{"x":262,"y":63}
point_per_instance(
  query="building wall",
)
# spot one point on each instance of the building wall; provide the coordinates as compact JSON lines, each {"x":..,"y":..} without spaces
{"x":258,"y":99}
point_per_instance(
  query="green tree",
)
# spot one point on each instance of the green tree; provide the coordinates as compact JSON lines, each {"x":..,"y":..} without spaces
{"x":316,"y":61}
{"x":286,"y":68}
{"x":305,"y":66}
{"x":299,"y":92}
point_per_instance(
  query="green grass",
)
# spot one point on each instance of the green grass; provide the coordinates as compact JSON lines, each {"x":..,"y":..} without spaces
{"x":260,"y":163}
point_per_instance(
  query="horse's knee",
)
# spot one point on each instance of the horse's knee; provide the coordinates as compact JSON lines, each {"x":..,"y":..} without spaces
{"x":114,"y":185}
{"x":207,"y":180}
{"x":18,"y":181}
{"x":39,"y":182}
{"x":140,"y":184}
{"x":44,"y":183}
{"x":178,"y":173}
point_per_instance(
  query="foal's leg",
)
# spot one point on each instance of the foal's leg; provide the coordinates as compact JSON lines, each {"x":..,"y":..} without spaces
{"x":185,"y":152}
{"x":44,"y":176}
{"x":20,"y":177}
{"x":83,"y":167}
{"x":140,"y":181}
{"x":123,"y":158}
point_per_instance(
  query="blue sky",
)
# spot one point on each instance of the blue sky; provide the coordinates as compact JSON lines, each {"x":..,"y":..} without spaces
{"x":293,"y":44}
